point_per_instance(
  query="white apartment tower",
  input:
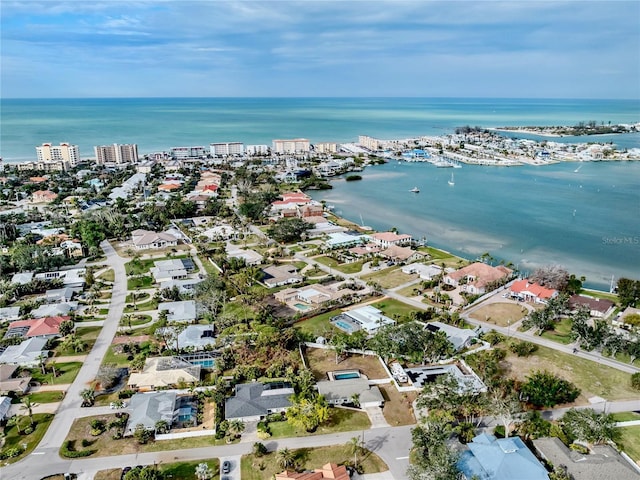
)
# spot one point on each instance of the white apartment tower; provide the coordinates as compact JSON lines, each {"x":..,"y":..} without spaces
{"x":119,"y":154}
{"x":297,"y":145}
{"x":226,"y":148}
{"x":369,"y":143}
{"x":67,"y":154}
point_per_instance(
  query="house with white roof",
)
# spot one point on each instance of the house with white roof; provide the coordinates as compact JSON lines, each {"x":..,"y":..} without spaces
{"x":425,"y":272}
{"x":27,"y":354}
{"x":147,"y":239}
{"x":179,"y":312}
{"x":368,"y":318}
{"x":386,"y":239}
{"x":345,"y":239}
{"x":54,"y":310}
{"x":73,"y":277}
{"x":172,"y":269}
{"x":9,"y":314}
{"x":21,"y":278}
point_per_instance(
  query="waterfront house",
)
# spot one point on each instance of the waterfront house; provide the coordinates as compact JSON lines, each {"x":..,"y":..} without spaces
{"x":146,"y":239}
{"x":531,"y":292}
{"x":387,"y":239}
{"x":598,"y":307}
{"x":477,"y":277}
{"x":491,"y":458}
{"x":162,"y":372}
{"x":399,"y":254}
{"x":367,"y":318}
{"x":254,"y":401}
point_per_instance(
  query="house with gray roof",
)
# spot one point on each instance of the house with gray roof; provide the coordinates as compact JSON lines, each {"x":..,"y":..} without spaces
{"x":338,"y":392}
{"x":9,"y":383}
{"x":182,"y":312}
{"x":26,"y":354}
{"x":5,"y":405}
{"x":54,"y":310}
{"x":603,"y":462}
{"x":149,"y":408}
{"x":459,"y":337}
{"x":60,"y":295}
{"x":9,"y":314}
{"x":254,"y":401}
{"x":491,"y":458}
{"x":187,"y":285}
{"x":172,"y":269}
{"x":22,"y":278}
{"x":195,"y":337}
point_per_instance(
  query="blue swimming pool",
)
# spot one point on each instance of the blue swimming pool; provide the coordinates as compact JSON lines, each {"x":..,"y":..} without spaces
{"x":204,"y":363}
{"x":302,"y":306}
{"x":345,"y":376}
{"x":347,"y":327}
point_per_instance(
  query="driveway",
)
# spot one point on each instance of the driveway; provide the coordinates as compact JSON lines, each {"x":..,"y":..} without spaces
{"x":376,"y":417}
{"x":234,"y":473}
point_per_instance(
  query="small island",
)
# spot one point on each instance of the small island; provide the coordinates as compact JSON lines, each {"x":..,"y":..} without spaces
{"x":581,"y":128}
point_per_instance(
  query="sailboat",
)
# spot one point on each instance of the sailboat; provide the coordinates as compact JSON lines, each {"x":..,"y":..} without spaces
{"x":577,"y":169}
{"x":415,"y":190}
{"x":451,"y":182}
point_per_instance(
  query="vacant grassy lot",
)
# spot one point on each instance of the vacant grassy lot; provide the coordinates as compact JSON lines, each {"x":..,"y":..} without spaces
{"x":397,"y":408}
{"x":107,"y":446}
{"x":561,"y":333}
{"x":45,"y":397}
{"x":590,"y":377}
{"x":110,"y":474}
{"x":187,"y":470}
{"x":263,"y":468}
{"x":139,"y":282}
{"x":108,"y":275}
{"x":353,"y":267}
{"x":14,"y":439}
{"x":141,"y":307}
{"x":630,"y":441}
{"x":394,"y":309}
{"x":390,"y":278}
{"x":318,"y":325}
{"x":500,"y":313}
{"x":321,"y":361}
{"x":341,"y":420}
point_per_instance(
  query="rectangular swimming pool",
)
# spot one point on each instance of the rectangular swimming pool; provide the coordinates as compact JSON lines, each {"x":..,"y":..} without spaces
{"x":345,"y":376}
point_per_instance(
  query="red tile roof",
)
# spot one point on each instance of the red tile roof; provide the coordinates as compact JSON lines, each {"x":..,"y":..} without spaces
{"x":533,"y":288}
{"x":328,"y":471}
{"x":40,"y":326}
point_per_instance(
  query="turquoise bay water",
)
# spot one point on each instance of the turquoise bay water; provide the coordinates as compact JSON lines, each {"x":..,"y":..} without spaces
{"x":524,"y":214}
{"x":161,"y":123}
{"x":586,"y":221}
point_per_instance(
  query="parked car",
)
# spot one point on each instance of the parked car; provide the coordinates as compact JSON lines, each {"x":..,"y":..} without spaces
{"x":226,"y":466}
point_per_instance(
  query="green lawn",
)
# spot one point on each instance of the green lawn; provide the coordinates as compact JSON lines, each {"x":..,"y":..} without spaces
{"x":139,"y":282}
{"x":353,"y":267}
{"x":44,"y":397}
{"x":561,"y":333}
{"x":341,"y":421}
{"x":598,"y":294}
{"x":590,"y":377}
{"x":328,"y":261}
{"x":263,"y":468}
{"x":390,"y":278}
{"x":318,"y":325}
{"x":14,"y":439}
{"x":135,"y":319}
{"x":626,"y":416}
{"x":435,"y":253}
{"x":141,"y":307}
{"x":66,"y":373}
{"x":186,"y":470}
{"x":108,"y":275}
{"x":141,"y":297}
{"x":630,"y":441}
{"x":392,"y":308}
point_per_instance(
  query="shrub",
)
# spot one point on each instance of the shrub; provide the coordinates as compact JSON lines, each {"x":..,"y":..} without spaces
{"x":635,"y":381}
{"x":86,"y":443}
{"x":544,"y":389}
{"x":579,"y":448}
{"x":523,"y":349}
{"x":69,"y":451}
{"x":11,"y":453}
{"x":28,"y":430}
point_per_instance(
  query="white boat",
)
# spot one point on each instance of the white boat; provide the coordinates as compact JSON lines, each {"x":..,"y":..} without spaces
{"x":415,"y":190}
{"x":451,"y":182}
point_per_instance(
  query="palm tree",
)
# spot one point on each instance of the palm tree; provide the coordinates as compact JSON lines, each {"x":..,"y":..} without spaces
{"x":355,"y":446}
{"x":285,"y":458}
{"x":161,"y":426}
{"x":88,"y":396}
{"x":15,"y":420}
{"x":236,"y":427}
{"x":203,"y":472}
{"x":28,"y":407}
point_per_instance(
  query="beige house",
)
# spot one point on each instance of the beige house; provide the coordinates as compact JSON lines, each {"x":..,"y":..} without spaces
{"x":475,"y":278}
{"x":164,"y":372}
{"x":146,"y":239}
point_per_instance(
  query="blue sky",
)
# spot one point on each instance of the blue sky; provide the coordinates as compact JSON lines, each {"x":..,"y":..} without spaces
{"x":531,"y":49}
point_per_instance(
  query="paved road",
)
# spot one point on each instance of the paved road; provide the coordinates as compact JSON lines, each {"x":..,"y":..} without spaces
{"x":391,"y":444}
{"x":69,"y":409}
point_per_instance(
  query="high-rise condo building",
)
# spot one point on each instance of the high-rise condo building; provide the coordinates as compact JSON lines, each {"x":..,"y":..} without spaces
{"x":226,"y":148}
{"x":66,"y":153}
{"x":297,"y":145}
{"x":125,"y":153}
{"x":181,"y":153}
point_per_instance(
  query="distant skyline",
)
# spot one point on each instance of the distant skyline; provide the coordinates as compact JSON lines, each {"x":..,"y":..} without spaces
{"x":517,"y":49}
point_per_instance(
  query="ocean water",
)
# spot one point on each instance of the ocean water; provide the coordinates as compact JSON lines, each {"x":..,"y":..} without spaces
{"x":587,"y":221}
{"x":157,"y":124}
